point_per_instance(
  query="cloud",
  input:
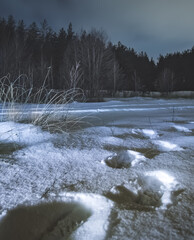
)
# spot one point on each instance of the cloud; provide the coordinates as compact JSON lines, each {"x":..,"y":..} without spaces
{"x":140,"y":23}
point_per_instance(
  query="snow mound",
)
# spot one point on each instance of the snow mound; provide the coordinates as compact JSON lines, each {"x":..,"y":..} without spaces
{"x":96,"y":226}
{"x":167,"y":146}
{"x":169,"y":187}
{"x":155,"y":189}
{"x":148,"y":133}
{"x":124,"y":159}
{"x":182,"y":129}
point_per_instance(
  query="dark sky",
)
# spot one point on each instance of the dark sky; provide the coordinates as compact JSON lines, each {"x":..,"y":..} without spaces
{"x":154,"y":26}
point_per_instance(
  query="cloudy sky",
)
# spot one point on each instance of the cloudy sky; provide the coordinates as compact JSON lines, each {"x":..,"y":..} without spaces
{"x":154,"y":26}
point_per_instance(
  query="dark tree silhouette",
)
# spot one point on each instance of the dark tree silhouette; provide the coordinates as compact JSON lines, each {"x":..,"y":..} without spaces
{"x":87,"y":61}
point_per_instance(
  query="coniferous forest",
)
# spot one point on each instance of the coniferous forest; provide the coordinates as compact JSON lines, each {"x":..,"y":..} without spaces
{"x":87,"y":60}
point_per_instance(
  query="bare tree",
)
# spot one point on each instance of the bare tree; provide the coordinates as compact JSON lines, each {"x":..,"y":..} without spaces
{"x":75,"y":76}
{"x":166,"y":80}
{"x":92,"y":54}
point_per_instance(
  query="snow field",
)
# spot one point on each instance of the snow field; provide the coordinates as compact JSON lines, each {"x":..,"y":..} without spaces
{"x":67,"y":167}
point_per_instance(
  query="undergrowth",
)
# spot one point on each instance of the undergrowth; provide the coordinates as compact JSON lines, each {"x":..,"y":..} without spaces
{"x":48,"y":108}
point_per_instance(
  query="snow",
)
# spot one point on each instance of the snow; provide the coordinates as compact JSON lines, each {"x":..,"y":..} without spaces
{"x":185,"y":141}
{"x":150,"y":133}
{"x":3,"y":214}
{"x":153,"y":189}
{"x":182,"y":128}
{"x":112,"y":140}
{"x":22,"y":133}
{"x":68,"y":167}
{"x":124,"y":159}
{"x":138,"y":157}
{"x":167,"y":146}
{"x":97,"y":225}
{"x":168,"y":185}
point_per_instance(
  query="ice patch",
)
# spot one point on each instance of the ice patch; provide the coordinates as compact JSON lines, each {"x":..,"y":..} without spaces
{"x":22,"y":133}
{"x":107,"y":131}
{"x":182,"y":129}
{"x":99,"y":131}
{"x":112,"y":141}
{"x":185,"y":141}
{"x":167,"y":146}
{"x":105,"y":110}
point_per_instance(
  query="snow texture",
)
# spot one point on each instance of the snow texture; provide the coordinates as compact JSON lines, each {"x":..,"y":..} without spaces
{"x":67,"y":167}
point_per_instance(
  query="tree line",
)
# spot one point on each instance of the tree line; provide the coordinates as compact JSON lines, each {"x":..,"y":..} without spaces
{"x":86,"y":60}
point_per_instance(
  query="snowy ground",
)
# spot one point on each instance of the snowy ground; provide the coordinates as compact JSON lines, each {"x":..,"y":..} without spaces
{"x":129,"y":166}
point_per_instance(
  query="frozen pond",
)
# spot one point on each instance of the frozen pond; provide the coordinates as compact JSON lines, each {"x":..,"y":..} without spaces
{"x":125,"y":171}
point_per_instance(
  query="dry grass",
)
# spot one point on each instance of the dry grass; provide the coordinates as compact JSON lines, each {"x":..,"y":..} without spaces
{"x":43,"y":107}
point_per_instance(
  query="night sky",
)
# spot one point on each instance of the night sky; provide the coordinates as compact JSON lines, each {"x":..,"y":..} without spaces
{"x":154,"y":26}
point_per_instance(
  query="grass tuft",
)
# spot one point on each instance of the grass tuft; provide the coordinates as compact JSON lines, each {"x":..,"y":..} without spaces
{"x":48,"y":108}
